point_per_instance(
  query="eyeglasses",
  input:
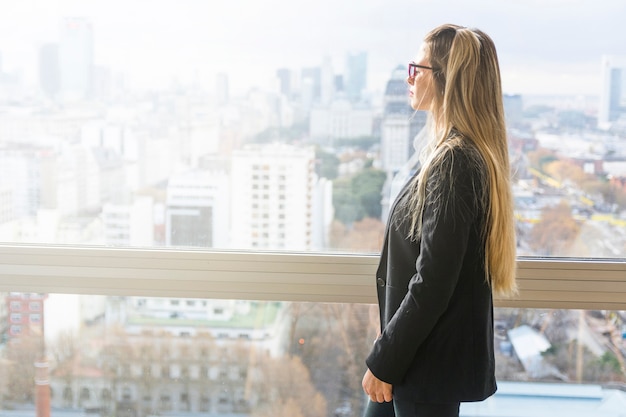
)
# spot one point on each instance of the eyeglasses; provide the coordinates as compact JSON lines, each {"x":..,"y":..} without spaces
{"x":413,"y":68}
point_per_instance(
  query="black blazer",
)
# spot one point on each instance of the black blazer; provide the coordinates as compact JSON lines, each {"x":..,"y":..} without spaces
{"x":436,"y":308}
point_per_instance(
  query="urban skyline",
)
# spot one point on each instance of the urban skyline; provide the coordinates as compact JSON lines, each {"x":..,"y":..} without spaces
{"x":541,"y":46}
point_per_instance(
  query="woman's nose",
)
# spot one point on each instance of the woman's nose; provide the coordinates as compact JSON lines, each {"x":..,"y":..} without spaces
{"x":409,"y":80}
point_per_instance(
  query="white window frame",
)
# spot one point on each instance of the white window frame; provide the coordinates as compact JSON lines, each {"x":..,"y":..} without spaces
{"x":544,"y":283}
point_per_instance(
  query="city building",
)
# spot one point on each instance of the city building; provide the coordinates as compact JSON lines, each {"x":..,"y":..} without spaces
{"x":76,"y":65}
{"x":24,"y":314}
{"x":198,"y":209}
{"x":613,"y":96}
{"x":400,"y":123}
{"x":513,"y":109}
{"x":355,"y":77}
{"x":272,"y":207}
{"x":49,"y":70}
{"x":130,"y":224}
{"x":524,"y":399}
{"x":222,"y":91}
{"x":180,"y":355}
{"x":340,"y":119}
{"x":311,"y":78}
{"x":285,"y":81}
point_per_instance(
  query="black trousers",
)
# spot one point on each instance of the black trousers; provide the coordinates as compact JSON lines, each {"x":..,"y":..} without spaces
{"x":410,"y":409}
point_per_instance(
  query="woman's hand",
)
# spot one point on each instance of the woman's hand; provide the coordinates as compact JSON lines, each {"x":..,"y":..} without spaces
{"x":378,"y":391}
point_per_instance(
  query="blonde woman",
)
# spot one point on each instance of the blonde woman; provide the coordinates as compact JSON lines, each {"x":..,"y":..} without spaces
{"x":450,"y":240}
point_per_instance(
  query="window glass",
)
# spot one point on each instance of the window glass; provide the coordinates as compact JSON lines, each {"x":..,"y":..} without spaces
{"x":282,"y":125}
{"x":268,"y":358}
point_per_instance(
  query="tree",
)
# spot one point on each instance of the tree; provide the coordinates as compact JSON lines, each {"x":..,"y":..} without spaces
{"x":359,"y":196}
{"x":284,"y":385}
{"x":555,"y":232}
{"x":541,"y":157}
{"x":65,"y":354}
{"x":21,"y":354}
{"x":365,"y":235}
{"x":327,"y":164}
{"x":332,"y":341}
{"x":347,"y":207}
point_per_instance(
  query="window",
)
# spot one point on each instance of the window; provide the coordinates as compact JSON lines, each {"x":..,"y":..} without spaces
{"x":122,"y":126}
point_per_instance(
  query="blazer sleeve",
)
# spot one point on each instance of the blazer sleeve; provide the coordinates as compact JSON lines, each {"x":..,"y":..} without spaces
{"x":449,"y":214}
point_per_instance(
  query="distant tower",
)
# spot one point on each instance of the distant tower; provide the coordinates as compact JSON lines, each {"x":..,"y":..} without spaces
{"x":76,"y":58}
{"x":513,"y":108}
{"x":612,"y":98}
{"x":312,"y":81}
{"x":49,"y":76}
{"x":356,"y":75}
{"x":284,"y":81}
{"x":222,"y":92}
{"x":400,"y":123}
{"x":328,"y":82}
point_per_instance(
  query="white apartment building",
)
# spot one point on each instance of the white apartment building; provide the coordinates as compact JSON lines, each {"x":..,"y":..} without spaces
{"x":272,"y":199}
{"x":129,"y":224}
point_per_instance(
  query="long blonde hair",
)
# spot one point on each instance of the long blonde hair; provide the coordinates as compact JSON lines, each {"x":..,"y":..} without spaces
{"x":467,"y":110}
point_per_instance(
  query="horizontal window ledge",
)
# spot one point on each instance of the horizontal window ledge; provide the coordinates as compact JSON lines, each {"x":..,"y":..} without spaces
{"x":554,"y":283}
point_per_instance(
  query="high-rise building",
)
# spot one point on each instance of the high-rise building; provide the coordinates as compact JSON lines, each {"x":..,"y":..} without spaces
{"x":356,"y":75}
{"x":400,"y":123}
{"x":311,"y":79}
{"x":285,"y":81}
{"x":222,"y":93}
{"x":613,"y":95}
{"x":49,"y":76}
{"x":399,"y":128}
{"x":513,"y":109}
{"x":273,"y":202}
{"x":327,"y":92}
{"x":76,"y":58}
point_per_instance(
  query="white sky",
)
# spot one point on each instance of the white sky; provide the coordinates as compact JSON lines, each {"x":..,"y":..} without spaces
{"x":545,"y":46}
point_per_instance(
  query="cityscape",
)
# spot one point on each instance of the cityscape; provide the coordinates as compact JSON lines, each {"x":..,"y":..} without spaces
{"x":309,"y":164}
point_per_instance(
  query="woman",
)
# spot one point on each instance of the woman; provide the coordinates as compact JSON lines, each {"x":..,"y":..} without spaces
{"x":450,"y":240}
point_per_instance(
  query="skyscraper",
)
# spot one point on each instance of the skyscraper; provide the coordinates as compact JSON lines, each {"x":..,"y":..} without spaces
{"x":76,"y":58}
{"x":49,"y":77}
{"x":399,"y":126}
{"x":222,"y":92}
{"x":312,"y":80}
{"x":356,"y":75}
{"x":613,"y":96}
{"x":400,"y":123}
{"x":284,"y":81}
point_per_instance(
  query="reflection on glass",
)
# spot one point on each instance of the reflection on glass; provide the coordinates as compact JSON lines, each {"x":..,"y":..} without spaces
{"x":114,"y":133}
{"x":149,"y":356}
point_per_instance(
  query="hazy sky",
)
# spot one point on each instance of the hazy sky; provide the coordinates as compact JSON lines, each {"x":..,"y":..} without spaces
{"x":545,"y":46}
